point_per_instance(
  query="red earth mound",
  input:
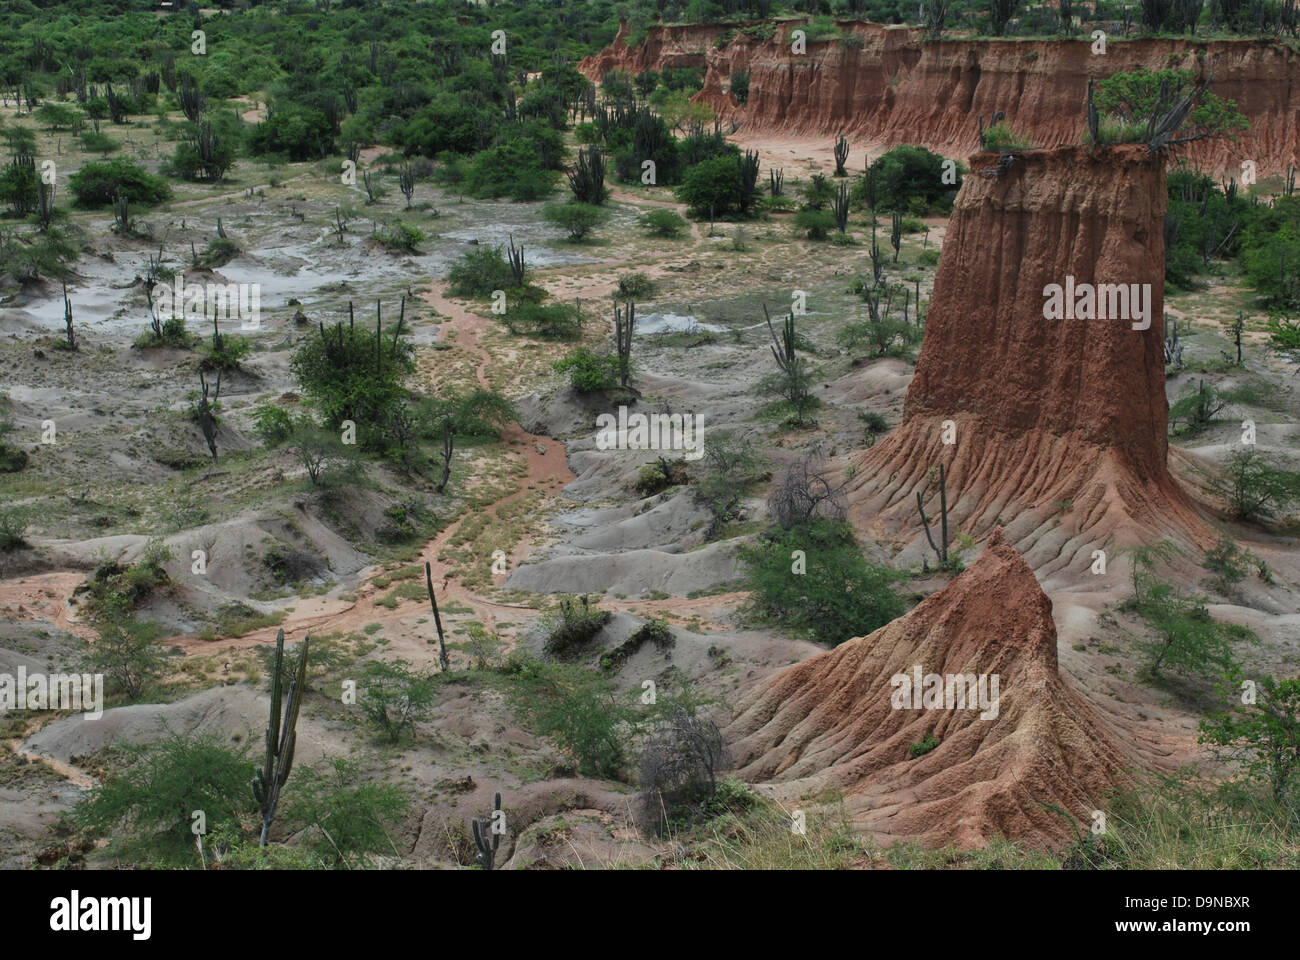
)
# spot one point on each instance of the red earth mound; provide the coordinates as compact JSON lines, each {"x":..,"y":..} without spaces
{"x":886,"y":85}
{"x":832,"y":722}
{"x":1059,"y":424}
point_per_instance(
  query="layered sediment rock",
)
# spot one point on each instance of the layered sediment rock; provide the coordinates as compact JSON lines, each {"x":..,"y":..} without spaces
{"x":1057,"y":426}
{"x":887,"y":86}
{"x":844,"y":720}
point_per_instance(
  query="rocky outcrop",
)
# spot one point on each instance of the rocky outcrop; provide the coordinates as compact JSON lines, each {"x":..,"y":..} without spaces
{"x":885,"y":85}
{"x":1054,"y":427}
{"x":845,"y":720}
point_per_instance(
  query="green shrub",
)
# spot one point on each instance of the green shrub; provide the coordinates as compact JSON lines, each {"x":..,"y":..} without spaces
{"x":909,"y":179}
{"x":663,"y":223}
{"x":353,"y":373}
{"x":345,"y":819}
{"x":923,"y":746}
{"x":400,"y":236}
{"x":571,"y":625}
{"x":1255,"y":487}
{"x":151,"y":791}
{"x":93,"y":142}
{"x":478,"y":272}
{"x":13,"y":524}
{"x":578,"y":219}
{"x":99,"y":181}
{"x":1000,"y":136}
{"x":579,"y":712}
{"x":588,"y":372}
{"x":226,"y":353}
{"x":394,"y":697}
{"x":1187,"y":639}
{"x":841,"y":595}
{"x":553,"y":321}
{"x":817,"y":224}
{"x":219,"y":252}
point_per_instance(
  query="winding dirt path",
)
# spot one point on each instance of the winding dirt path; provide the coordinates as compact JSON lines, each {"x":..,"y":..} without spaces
{"x":548,"y":471}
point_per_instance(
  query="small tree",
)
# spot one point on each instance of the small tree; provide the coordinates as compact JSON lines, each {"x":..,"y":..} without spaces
{"x":127,"y":651}
{"x":394,"y":697}
{"x":579,"y":219}
{"x":1255,"y":488}
{"x":682,"y":757}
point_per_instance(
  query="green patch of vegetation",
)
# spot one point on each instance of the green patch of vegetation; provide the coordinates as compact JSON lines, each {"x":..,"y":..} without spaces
{"x":814,"y":578}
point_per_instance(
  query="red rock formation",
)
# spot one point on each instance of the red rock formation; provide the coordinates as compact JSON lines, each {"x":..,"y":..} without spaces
{"x":835,"y":721}
{"x":896,"y":89}
{"x":1045,"y":410}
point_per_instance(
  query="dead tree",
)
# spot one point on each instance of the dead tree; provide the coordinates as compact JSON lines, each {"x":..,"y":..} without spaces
{"x":941,"y":550}
{"x":67,"y":318}
{"x":437,"y":620}
{"x":448,"y":444}
{"x":803,"y":492}
{"x":152,"y":275}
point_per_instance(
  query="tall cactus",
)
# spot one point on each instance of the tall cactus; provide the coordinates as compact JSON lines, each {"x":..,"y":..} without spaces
{"x":840,"y":207}
{"x":841,"y":155}
{"x":624,"y":324}
{"x":281,"y":733}
{"x":482,"y":829}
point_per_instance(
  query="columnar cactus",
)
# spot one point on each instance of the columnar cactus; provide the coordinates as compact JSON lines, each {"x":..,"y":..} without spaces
{"x":281,"y":733}
{"x":482,"y":829}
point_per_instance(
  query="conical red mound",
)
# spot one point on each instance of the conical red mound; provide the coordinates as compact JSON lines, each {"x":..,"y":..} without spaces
{"x":832,"y":721}
{"x":1060,"y":423}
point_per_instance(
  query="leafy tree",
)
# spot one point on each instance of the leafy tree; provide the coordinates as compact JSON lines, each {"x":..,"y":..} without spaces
{"x":1265,"y":733}
{"x":97,"y":183}
{"x":1284,"y":337}
{"x":296,"y":132}
{"x":579,"y":219}
{"x":713,"y":187}
{"x":354,"y":373}
{"x":906,"y":176}
{"x":1158,"y":103}
{"x":1255,"y":487}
